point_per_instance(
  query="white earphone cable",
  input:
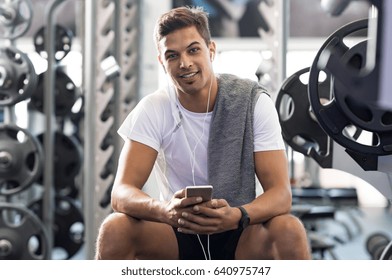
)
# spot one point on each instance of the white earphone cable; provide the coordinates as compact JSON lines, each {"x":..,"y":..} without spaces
{"x":193,"y":162}
{"x":193,"y":154}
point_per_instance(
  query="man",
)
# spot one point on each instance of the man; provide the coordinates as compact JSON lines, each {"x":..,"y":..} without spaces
{"x":202,"y":129}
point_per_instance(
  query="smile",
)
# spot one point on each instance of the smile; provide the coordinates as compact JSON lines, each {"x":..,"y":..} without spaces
{"x":189,"y":75}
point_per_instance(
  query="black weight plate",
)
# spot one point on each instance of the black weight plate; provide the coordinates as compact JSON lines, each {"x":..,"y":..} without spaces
{"x":336,"y":115}
{"x":300,"y":129}
{"x":361,"y":112}
{"x":65,"y":94}
{"x":18,"y":79}
{"x":376,"y":243}
{"x":22,"y":235}
{"x":68,"y":160}
{"x":21,"y":159}
{"x":68,"y":227}
{"x":63,"y":42}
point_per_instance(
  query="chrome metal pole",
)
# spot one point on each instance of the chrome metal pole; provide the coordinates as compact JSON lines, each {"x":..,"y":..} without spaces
{"x":89,"y":61}
{"x":49,"y":100}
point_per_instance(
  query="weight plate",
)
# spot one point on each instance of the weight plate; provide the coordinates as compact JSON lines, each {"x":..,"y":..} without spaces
{"x":358,"y":110}
{"x":376,"y":243}
{"x":63,"y":42}
{"x":22,"y":235}
{"x":20,"y":159}
{"x":68,"y":227}
{"x":65,"y":94}
{"x":68,"y":160}
{"x":18,"y":79}
{"x":15,"y":18}
{"x":300,"y":129}
{"x":342,"y":111}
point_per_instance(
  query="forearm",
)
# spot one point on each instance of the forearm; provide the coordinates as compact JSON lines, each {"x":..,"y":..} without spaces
{"x":138,"y":204}
{"x":271,"y":203}
{"x":135,"y":165}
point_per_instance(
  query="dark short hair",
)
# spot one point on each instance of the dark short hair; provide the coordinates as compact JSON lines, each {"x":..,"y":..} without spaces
{"x":182,"y":17}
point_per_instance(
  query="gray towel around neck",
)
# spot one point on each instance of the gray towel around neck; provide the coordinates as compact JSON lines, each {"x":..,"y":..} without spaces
{"x":231,"y":167}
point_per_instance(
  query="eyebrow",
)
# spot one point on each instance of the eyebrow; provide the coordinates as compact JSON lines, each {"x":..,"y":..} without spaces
{"x":189,"y":46}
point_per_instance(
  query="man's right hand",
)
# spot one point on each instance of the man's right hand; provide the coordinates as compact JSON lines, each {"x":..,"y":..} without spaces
{"x":179,"y":204}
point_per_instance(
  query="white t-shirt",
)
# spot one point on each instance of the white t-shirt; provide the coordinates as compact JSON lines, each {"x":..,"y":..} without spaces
{"x":181,"y":137}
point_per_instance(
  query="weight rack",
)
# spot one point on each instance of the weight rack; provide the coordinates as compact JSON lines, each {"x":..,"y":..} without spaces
{"x":108,"y":99}
{"x":109,"y":91}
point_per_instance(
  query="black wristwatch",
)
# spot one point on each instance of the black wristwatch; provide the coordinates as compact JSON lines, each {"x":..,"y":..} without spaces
{"x":244,"y":221}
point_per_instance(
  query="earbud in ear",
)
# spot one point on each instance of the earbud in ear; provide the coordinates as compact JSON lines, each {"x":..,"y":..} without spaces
{"x":212,"y":56}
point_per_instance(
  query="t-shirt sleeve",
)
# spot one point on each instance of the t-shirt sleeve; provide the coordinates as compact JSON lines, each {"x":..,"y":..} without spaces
{"x":267,"y":130}
{"x":141,"y":125}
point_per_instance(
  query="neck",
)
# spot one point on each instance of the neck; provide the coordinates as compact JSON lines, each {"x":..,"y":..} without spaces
{"x":198,"y":102}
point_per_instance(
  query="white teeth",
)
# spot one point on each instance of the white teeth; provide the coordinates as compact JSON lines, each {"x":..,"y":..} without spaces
{"x":188,"y":75}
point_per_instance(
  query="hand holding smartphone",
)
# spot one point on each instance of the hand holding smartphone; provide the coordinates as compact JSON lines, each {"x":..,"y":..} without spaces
{"x":205,"y":192}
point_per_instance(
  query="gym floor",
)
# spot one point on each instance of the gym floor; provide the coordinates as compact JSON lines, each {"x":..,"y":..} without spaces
{"x":353,"y":228}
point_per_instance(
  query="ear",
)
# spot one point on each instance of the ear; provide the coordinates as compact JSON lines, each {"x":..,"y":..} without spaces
{"x":212,"y":48}
{"x":160,"y":61}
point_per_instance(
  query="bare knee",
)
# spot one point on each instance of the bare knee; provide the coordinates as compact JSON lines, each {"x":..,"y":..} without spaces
{"x":115,"y":237}
{"x":289,"y":236}
{"x":282,"y":237}
{"x":286,"y":225}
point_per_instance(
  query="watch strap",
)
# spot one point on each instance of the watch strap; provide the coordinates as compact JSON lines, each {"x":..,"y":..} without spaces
{"x":244,"y":220}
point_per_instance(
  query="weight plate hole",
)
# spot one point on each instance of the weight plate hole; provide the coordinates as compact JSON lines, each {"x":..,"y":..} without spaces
{"x":352,"y":132}
{"x":22,"y":82}
{"x":76,"y":232}
{"x":20,"y":136}
{"x":8,"y":185}
{"x":70,"y":86}
{"x":286,"y":108}
{"x":304,"y":78}
{"x":386,"y":118}
{"x":64,"y":207}
{"x":35,"y":245}
{"x":12,"y":218}
{"x":365,"y":137}
{"x":39,"y":40}
{"x":30,"y":161}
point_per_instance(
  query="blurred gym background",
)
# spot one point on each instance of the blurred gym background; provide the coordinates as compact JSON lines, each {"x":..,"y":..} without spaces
{"x":71,"y":70}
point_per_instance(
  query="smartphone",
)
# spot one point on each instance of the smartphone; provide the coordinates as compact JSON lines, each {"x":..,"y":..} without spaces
{"x":203,"y":191}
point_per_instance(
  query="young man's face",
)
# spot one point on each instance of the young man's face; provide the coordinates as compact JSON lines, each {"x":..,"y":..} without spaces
{"x":187,"y":60}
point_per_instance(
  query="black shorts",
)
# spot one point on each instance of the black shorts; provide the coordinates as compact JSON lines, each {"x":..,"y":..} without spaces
{"x":222,"y":246}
